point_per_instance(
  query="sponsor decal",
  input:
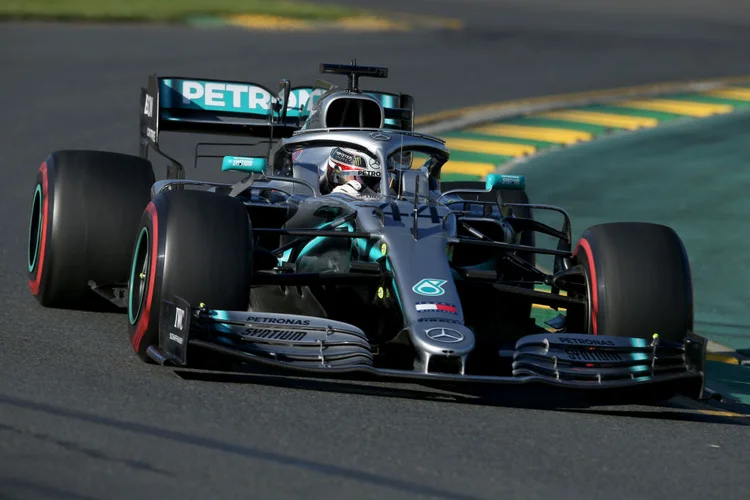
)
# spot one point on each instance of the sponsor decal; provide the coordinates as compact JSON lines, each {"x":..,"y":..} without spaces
{"x":380,"y":136}
{"x":274,"y":334}
{"x":342,"y":156}
{"x":151,"y":133}
{"x":568,"y":340}
{"x":430,"y":287}
{"x":369,"y":173}
{"x":577,"y":354}
{"x":278,"y":321}
{"x":179,"y":319}
{"x":436,"y":306}
{"x":447,"y":335}
{"x":245,"y":97}
{"x":511,"y":180}
{"x":225,"y":95}
{"x":439,"y":320}
{"x":241,"y":161}
{"x":148,"y":106}
{"x":357,"y":172}
{"x":176,"y":338}
{"x":232,"y":97}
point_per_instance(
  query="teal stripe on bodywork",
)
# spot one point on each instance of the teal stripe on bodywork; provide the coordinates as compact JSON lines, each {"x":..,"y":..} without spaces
{"x":319,"y":239}
{"x":312,"y":244}
{"x":222,"y":327}
{"x":285,"y":256}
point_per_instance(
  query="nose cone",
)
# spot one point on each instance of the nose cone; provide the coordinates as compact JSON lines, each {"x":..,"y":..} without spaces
{"x":442,"y":338}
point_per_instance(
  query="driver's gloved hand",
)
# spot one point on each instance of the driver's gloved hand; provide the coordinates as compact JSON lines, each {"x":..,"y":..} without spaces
{"x":351,"y":188}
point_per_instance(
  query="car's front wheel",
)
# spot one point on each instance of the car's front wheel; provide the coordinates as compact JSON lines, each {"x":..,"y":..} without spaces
{"x":638,"y":282}
{"x":191,"y":244}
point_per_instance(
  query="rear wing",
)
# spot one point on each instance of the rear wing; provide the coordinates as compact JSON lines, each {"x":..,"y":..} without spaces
{"x":218,"y":107}
{"x":242,"y":108}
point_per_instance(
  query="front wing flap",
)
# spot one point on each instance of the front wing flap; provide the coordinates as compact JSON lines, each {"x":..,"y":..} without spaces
{"x":600,"y":358}
{"x":305,"y":341}
{"x":323,"y":348}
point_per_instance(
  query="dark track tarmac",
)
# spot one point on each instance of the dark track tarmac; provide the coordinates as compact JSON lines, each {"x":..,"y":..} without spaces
{"x":81,"y":417}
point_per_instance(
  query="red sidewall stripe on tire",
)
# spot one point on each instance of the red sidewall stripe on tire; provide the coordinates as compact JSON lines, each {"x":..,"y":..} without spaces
{"x":36,"y":282}
{"x":144,"y":319}
{"x":583,"y":243}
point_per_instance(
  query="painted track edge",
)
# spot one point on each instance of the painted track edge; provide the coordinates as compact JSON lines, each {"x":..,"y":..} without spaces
{"x":444,"y":121}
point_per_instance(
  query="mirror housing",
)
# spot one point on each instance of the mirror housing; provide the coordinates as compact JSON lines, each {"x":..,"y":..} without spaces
{"x":249,"y":164}
{"x":504,"y":181}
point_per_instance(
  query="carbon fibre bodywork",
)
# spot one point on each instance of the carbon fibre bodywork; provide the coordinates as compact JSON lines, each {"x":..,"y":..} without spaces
{"x":410,"y":283}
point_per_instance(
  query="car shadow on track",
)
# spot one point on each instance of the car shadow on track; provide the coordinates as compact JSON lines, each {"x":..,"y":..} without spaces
{"x":531,"y":398}
{"x":234,"y":448}
{"x":31,"y":489}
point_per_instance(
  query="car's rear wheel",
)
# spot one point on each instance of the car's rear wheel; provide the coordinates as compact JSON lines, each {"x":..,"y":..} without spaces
{"x":191,"y":244}
{"x":84,"y":215}
{"x":638,"y":282}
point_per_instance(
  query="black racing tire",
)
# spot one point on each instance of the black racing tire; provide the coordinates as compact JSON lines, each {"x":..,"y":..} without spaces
{"x":191,"y":244}
{"x":638,"y":282}
{"x":85,"y":211}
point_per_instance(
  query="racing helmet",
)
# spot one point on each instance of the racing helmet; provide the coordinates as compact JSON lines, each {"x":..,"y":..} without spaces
{"x":346,"y":164}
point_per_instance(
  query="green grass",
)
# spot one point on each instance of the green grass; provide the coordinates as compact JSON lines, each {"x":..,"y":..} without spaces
{"x":165,"y":10}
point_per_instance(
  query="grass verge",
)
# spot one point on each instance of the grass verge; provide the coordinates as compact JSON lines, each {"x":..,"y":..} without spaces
{"x":167,"y":10}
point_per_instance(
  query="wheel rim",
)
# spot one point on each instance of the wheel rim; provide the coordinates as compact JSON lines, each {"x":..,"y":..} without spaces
{"x":35,"y":228}
{"x":139,"y":271}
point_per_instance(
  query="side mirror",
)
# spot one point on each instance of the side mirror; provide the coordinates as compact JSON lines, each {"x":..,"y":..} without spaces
{"x":503,"y":181}
{"x":249,"y":164}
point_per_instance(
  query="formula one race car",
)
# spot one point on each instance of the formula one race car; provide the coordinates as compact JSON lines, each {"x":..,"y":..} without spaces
{"x":342,"y":254}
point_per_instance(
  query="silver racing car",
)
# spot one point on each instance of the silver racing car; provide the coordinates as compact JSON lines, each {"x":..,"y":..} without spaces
{"x":341,"y":253}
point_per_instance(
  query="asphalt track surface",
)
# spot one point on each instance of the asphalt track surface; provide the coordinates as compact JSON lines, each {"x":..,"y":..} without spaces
{"x":81,"y":417}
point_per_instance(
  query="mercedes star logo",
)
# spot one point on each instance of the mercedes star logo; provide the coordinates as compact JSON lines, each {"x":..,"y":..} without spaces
{"x":444,"y":335}
{"x":380,"y":136}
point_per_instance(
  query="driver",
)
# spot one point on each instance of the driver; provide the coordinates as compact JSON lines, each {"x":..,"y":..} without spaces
{"x":350,"y":172}
{"x":354,"y":173}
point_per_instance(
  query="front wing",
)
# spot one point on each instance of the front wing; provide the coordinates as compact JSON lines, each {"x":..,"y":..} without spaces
{"x":319,"y":347}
